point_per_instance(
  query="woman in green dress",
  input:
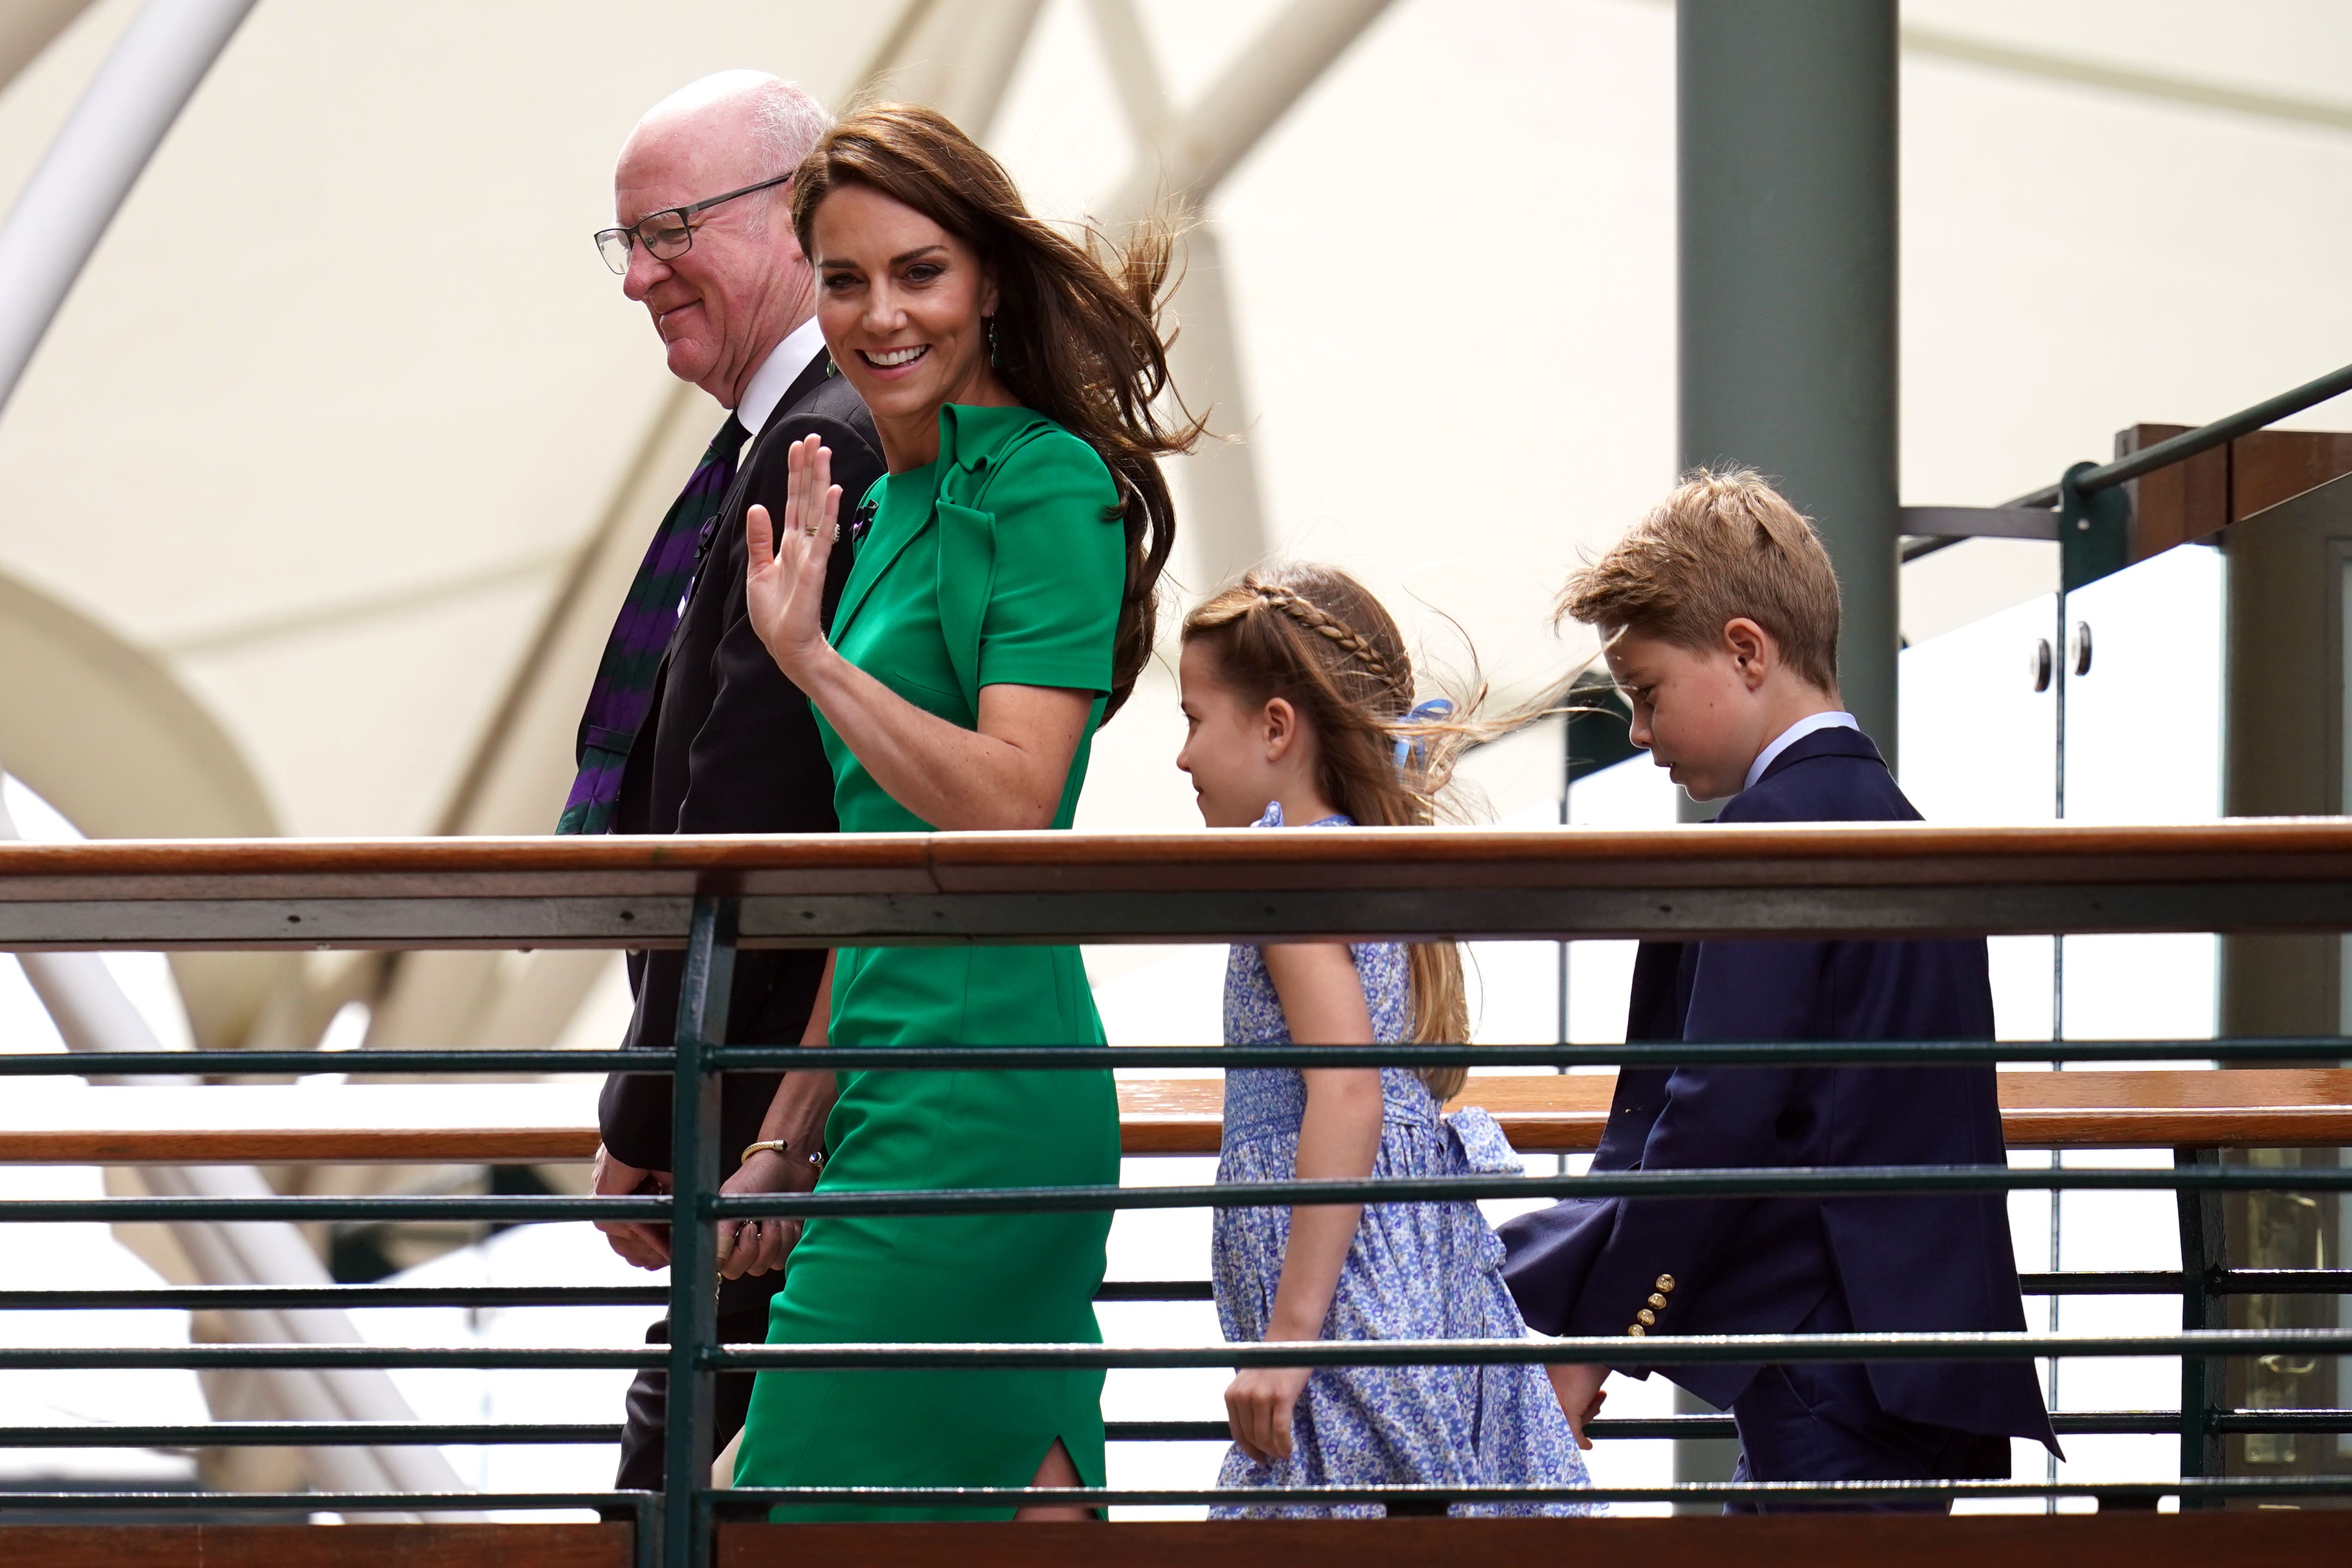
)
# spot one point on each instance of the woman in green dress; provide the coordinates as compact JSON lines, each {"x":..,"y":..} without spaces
{"x":1000,"y":608}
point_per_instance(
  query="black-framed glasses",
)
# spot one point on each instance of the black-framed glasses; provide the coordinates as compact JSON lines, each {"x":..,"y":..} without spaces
{"x":666,"y":234}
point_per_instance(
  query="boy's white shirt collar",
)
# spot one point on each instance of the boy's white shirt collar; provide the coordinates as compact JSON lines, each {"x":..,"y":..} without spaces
{"x":1810,"y":724}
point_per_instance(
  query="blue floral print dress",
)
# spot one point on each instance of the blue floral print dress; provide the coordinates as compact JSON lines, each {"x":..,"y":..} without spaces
{"x":1414,"y":1271}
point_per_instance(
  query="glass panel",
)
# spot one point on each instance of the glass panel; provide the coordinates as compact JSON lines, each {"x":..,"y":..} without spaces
{"x":1980,"y":749}
{"x":2142,"y":696}
{"x":2143,"y":745}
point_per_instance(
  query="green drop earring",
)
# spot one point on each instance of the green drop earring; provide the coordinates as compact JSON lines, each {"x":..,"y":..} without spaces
{"x":993,"y":361}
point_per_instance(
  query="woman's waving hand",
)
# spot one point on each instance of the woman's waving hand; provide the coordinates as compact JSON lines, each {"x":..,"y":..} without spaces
{"x":784,"y":575}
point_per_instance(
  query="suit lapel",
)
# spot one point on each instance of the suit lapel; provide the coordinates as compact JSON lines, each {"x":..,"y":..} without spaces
{"x":812,"y":376}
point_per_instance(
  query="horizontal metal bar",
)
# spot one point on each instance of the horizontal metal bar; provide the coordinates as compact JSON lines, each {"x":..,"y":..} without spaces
{"x":1655,"y":1428}
{"x":2254,"y":1487}
{"x":370,"y":1209}
{"x":1657,"y":1350}
{"x":1662,"y":1350}
{"x":392,"y":1433}
{"x":278,"y":1064}
{"x":495,"y":1357}
{"x":2250,"y":1486}
{"x":320,"y":1502}
{"x":2128,"y":1282}
{"x":1955,"y":522}
{"x":2278,"y":1421}
{"x":2084,"y":1282}
{"x":310,"y":1434}
{"x":1744,"y":1052}
{"x":976,"y":1058}
{"x":1747,"y":1182}
{"x":2171,"y":1282}
{"x":2205,"y":437}
{"x":228,"y":1298}
{"x":2281,"y":1283}
{"x":1155,"y":1291}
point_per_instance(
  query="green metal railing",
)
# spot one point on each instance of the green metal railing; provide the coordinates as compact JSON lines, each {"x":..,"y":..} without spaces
{"x":674,"y":1525}
{"x":694,"y":1357}
{"x":2093,"y":522}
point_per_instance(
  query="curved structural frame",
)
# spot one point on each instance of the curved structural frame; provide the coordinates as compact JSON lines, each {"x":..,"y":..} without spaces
{"x":71,"y":198}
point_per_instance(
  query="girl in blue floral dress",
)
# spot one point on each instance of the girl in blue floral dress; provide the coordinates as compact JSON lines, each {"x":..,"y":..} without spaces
{"x":1296,"y":696}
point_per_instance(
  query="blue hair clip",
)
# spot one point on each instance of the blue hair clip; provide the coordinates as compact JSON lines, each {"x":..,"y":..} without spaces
{"x":1435,"y":708}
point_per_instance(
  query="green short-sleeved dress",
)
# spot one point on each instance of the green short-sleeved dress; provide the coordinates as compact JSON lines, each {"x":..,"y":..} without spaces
{"x":999,"y":564}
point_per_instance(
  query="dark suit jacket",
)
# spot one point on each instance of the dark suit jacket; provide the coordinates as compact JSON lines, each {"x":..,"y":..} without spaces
{"x":730,"y":746}
{"x":1908,"y":1262}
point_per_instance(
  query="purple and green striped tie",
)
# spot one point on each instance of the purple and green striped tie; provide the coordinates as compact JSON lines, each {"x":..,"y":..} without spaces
{"x":624,"y":691}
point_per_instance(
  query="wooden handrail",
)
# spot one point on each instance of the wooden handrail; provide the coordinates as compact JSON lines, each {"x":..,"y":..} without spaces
{"x":2191,"y":1540}
{"x":1858,"y":879}
{"x":1541,"y":1113}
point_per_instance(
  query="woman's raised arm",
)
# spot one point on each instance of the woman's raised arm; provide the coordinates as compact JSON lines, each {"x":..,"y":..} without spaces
{"x":1007,"y":773}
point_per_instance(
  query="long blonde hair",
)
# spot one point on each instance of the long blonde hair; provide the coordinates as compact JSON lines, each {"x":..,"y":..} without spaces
{"x":1318,"y":639}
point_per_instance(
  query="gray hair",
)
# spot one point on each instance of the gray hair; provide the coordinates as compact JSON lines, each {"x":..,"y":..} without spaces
{"x":786,"y":123}
{"x":789,"y":123}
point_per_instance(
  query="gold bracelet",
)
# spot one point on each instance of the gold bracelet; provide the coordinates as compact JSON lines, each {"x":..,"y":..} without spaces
{"x":813,"y":1159}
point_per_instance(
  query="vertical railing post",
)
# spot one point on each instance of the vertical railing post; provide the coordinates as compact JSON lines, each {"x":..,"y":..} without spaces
{"x":708,"y":981}
{"x":2201,"y":1307}
{"x":646,"y":1532}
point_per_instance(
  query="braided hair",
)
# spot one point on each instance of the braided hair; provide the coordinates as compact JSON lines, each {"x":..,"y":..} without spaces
{"x":1318,"y":639}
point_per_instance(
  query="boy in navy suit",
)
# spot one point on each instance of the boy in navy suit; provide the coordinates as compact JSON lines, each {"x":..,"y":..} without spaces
{"x":1720,"y":616}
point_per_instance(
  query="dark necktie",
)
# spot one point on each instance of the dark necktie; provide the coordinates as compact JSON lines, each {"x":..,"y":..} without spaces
{"x":624,"y":691}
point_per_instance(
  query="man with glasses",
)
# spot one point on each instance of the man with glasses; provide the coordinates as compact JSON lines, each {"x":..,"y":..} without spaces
{"x":690,"y":726}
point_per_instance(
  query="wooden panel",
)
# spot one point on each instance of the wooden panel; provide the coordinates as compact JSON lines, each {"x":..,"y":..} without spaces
{"x":467,"y":1123}
{"x":1540,"y":1113}
{"x":1564,"y":1113}
{"x":1886,"y":854}
{"x":295,"y":1545}
{"x":2274,"y":466}
{"x":2176,"y":504}
{"x":1858,"y":879}
{"x":2275,"y":1539}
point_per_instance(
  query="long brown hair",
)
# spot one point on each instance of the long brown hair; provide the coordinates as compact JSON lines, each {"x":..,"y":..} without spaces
{"x":1078,"y":323}
{"x":1318,"y":639}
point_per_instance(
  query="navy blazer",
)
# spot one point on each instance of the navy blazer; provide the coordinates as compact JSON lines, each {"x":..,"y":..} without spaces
{"x":1918,"y":1262}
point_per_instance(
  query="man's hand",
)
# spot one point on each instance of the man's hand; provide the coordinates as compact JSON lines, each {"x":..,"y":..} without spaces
{"x":1259,"y":1404}
{"x":1578,"y":1387}
{"x":647,"y":1246}
{"x":758,"y":1245}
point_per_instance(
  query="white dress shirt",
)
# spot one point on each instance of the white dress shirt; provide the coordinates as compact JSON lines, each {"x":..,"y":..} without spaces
{"x":1790,"y":736}
{"x":777,"y":373}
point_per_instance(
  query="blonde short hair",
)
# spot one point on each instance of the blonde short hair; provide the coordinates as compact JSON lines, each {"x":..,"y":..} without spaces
{"x":1722,"y":545}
